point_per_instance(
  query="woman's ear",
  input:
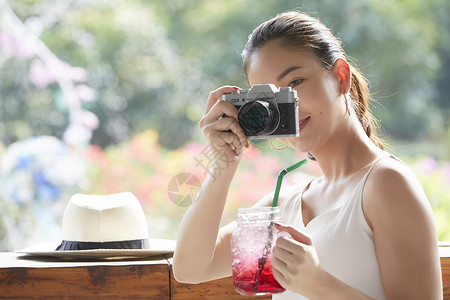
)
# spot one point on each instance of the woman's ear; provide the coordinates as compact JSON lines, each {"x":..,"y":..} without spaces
{"x":342,"y":69}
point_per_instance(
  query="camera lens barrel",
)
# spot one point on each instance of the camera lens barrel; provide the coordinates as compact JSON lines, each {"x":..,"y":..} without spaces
{"x":258,"y":117}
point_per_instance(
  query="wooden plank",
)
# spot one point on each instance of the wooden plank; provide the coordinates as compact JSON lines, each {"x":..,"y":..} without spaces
{"x":217,"y":289}
{"x":445,"y":266}
{"x":444,"y":253}
{"x":220,"y":289}
{"x":223,"y":288}
{"x":23,"y":278}
{"x":132,"y":282}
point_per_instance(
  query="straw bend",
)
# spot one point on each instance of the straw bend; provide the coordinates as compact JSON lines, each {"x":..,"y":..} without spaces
{"x":280,"y":179}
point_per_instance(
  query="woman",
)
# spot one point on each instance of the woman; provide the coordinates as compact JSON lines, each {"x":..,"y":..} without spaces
{"x":364,"y":229}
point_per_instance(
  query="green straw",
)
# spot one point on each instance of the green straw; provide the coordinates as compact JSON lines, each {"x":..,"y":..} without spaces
{"x":262,"y":260}
{"x":280,"y":179}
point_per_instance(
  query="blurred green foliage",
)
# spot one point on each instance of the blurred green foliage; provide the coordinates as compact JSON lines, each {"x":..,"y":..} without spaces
{"x":154,"y":62}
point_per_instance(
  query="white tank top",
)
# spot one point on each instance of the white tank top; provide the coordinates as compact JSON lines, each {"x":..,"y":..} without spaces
{"x":343,"y":241}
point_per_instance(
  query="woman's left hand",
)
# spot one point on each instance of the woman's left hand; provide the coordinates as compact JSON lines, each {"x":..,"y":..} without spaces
{"x":295,"y":262}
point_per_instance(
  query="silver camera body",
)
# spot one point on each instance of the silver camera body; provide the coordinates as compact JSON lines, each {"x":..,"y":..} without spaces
{"x":266,"y":112}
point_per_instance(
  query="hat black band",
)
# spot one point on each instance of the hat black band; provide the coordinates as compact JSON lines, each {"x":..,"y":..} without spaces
{"x":133,"y":244}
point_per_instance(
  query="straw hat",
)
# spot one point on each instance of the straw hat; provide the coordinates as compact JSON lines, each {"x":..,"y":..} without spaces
{"x":104,"y":226}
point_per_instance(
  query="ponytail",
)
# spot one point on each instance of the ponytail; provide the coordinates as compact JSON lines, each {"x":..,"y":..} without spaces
{"x":361,"y":100}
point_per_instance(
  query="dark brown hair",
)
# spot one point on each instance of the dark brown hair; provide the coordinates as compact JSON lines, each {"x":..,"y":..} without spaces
{"x":298,"y":30}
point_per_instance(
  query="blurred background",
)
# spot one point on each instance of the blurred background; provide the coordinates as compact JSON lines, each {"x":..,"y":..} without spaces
{"x":104,"y":96}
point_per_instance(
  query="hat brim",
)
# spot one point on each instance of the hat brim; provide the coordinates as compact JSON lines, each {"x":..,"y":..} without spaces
{"x":157,"y":247}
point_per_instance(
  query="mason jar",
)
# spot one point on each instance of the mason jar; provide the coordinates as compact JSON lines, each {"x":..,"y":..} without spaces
{"x":251,"y":245}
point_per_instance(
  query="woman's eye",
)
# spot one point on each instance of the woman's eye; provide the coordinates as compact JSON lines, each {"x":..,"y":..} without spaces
{"x":296,"y":82}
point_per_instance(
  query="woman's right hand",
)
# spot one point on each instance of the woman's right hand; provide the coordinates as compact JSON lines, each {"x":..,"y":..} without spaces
{"x":224,"y":133}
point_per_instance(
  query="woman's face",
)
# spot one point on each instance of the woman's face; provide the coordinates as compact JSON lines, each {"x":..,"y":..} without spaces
{"x":321,"y":109}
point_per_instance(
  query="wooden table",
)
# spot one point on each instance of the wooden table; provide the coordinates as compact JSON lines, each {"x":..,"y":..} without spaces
{"x":22,"y":277}
{"x":25,"y":277}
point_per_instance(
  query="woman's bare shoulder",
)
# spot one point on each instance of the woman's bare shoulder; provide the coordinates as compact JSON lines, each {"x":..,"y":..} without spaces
{"x":392,"y":187}
{"x":391,"y":174}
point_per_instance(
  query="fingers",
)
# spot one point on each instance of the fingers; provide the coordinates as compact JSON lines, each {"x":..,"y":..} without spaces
{"x":295,"y":233}
{"x":221,"y":108}
{"x":224,"y":140}
{"x":225,"y":125}
{"x":283,"y":256}
{"x":295,"y":262}
{"x":215,"y":96}
{"x":278,"y":267}
{"x":289,"y":261}
{"x":224,"y":132}
{"x":278,"y":275}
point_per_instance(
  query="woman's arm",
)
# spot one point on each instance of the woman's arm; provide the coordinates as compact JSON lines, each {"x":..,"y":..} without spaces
{"x":203,"y":251}
{"x":200,"y":253}
{"x":406,"y":244}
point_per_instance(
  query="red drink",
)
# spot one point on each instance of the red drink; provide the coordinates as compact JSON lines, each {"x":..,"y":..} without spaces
{"x":245,"y":282}
{"x":252,"y":243}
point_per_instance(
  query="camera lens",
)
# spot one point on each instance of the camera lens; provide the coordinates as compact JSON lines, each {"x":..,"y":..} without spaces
{"x":258,"y":118}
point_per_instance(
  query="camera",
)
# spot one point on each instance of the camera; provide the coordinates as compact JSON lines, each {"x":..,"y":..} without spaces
{"x":266,"y":112}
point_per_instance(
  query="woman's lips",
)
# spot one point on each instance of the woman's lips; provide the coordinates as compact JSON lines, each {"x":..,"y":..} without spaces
{"x":303,"y":123}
